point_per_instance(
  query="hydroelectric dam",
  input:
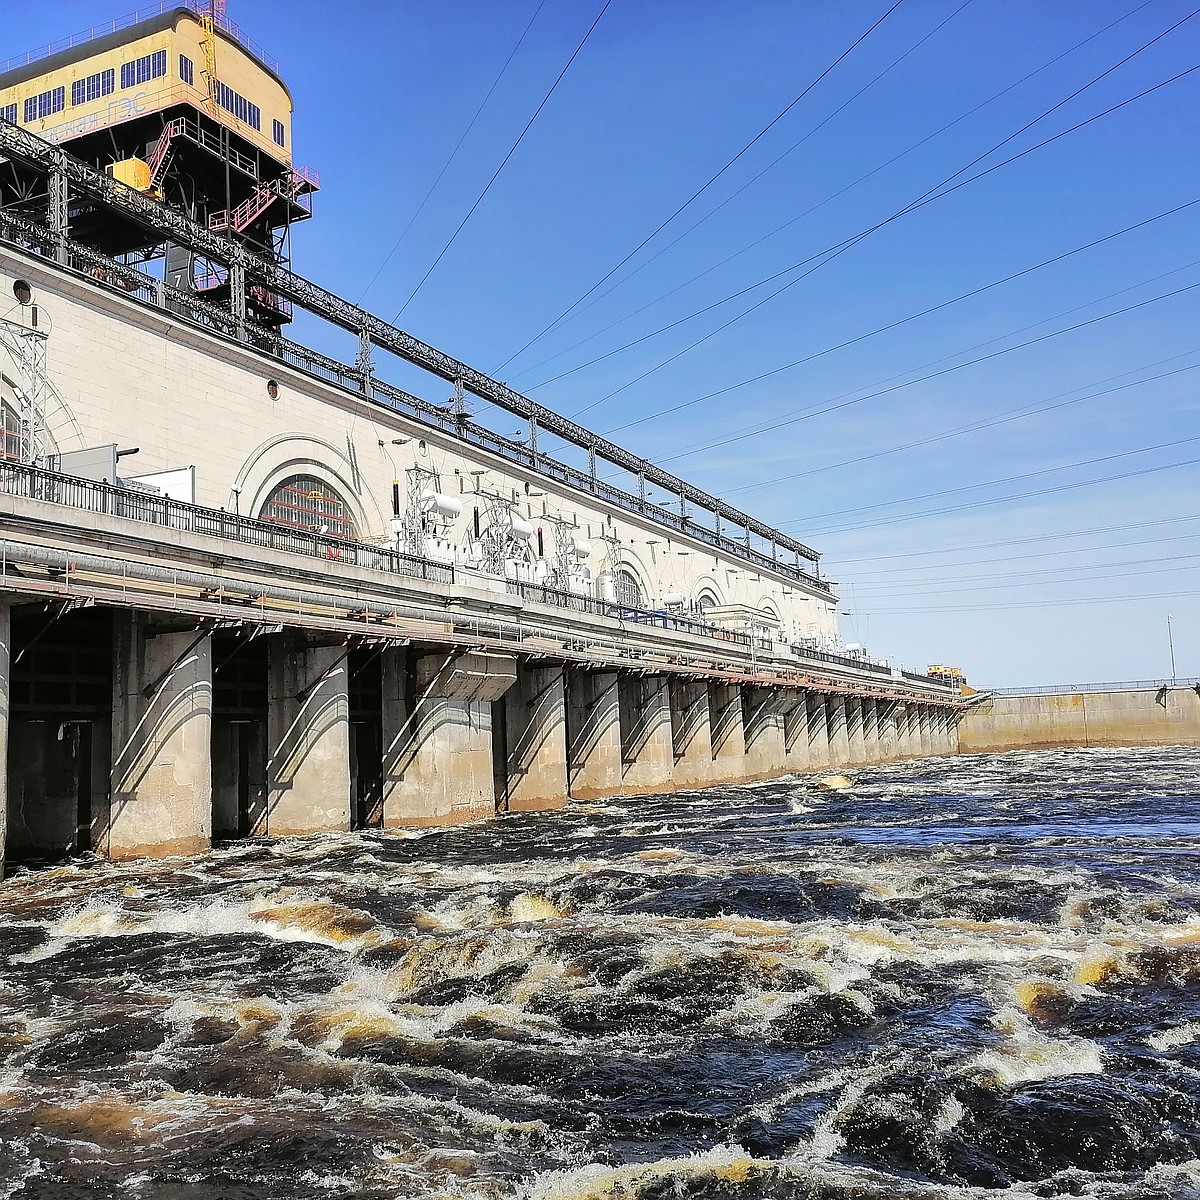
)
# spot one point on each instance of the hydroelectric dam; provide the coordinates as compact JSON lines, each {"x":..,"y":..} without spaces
{"x":247,"y":588}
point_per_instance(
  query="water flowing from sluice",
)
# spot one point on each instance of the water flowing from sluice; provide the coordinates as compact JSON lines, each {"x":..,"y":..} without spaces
{"x":957,"y":978}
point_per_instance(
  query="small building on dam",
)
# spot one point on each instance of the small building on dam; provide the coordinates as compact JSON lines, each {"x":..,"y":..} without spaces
{"x":247,"y":588}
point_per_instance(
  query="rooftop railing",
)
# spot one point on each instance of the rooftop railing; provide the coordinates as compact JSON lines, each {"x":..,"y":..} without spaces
{"x":143,"y":14}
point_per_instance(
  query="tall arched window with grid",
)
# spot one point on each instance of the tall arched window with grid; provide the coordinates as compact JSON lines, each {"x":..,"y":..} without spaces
{"x":304,"y":502}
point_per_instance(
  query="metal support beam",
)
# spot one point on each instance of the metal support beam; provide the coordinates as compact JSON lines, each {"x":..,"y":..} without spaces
{"x":23,"y":146}
{"x":363,"y":365}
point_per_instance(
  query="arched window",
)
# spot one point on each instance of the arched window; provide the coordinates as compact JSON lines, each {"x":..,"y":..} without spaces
{"x":306,"y":503}
{"x":629,"y":591}
{"x":707,"y":599}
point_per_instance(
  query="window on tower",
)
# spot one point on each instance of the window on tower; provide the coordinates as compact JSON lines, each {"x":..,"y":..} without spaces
{"x":186,"y":71}
{"x":278,"y":133}
{"x":84,"y":91}
{"x":142,"y":70}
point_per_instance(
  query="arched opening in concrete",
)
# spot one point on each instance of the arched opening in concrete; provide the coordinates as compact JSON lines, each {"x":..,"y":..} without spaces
{"x":628,"y":589}
{"x":305,"y":502}
{"x":706,"y":598}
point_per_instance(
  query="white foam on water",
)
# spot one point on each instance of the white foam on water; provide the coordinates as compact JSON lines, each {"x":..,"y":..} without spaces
{"x":1027,"y":1056}
{"x":1173,"y":1038}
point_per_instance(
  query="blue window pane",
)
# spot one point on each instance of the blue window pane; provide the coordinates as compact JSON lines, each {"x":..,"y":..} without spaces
{"x":9,"y":113}
{"x":186,"y":72}
{"x":78,"y":89}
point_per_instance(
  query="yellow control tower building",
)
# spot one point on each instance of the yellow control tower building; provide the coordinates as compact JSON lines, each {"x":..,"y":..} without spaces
{"x":175,"y":102}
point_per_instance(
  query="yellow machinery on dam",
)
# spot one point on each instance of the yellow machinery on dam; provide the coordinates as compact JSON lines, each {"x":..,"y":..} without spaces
{"x":356,"y":606}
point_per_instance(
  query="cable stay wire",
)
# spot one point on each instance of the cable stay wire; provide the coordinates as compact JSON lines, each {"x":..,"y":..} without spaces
{"x":809,"y":211}
{"x":1031,"y":539}
{"x":503,"y":163}
{"x":1064,"y":487}
{"x":968,"y":295}
{"x":830,"y":254}
{"x":1005,"y":418}
{"x":704,"y":187}
{"x":453,"y":154}
{"x":809,"y":414}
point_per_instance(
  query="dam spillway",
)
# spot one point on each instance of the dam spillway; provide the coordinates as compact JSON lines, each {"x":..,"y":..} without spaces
{"x":321,"y":602}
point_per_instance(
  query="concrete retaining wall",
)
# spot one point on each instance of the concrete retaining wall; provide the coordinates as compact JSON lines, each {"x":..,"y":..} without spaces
{"x":1161,"y":716}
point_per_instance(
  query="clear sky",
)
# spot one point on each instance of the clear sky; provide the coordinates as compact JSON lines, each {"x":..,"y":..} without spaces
{"x":1032,"y":516}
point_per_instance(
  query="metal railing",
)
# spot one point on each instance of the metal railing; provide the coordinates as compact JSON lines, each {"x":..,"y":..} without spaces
{"x":88,"y":495}
{"x":1127,"y":685}
{"x":142,"y":14}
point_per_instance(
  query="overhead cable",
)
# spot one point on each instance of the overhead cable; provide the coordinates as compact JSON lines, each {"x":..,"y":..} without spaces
{"x":814,"y":262}
{"x":704,"y":187}
{"x":504,"y":162}
{"x":820,"y":204}
{"x":453,"y":153}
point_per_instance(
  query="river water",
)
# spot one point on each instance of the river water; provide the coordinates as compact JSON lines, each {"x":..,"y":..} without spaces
{"x":958,"y":978}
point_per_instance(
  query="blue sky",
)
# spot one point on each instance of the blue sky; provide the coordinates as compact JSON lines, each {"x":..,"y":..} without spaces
{"x":942,"y":552}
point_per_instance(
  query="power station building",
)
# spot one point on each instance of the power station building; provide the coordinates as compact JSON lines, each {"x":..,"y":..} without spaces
{"x":253,"y":589}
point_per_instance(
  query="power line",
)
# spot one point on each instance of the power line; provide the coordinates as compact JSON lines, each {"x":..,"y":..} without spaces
{"x":827,"y":200}
{"x":504,"y":162}
{"x":897,"y":612}
{"x":886,"y":577}
{"x":970,"y":487}
{"x":924,"y":312}
{"x":1016,"y":414}
{"x":453,"y":153}
{"x":1062,"y":535}
{"x":828,"y":255}
{"x":1026,"y":578}
{"x":734,"y":195}
{"x":701,"y":190}
{"x":795,"y":420}
{"x":1064,"y":487}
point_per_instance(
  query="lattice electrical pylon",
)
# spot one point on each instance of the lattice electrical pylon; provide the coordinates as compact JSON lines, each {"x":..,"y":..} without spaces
{"x":497,"y":539}
{"x":28,"y":347}
{"x":421,"y":482}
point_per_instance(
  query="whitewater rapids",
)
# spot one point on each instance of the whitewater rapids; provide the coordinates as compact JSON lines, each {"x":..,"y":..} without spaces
{"x":953,"y":979}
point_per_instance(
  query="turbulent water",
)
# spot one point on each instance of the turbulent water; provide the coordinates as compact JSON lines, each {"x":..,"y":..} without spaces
{"x":957,"y":977}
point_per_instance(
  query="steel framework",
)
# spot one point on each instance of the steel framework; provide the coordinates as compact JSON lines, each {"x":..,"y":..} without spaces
{"x":245,"y":267}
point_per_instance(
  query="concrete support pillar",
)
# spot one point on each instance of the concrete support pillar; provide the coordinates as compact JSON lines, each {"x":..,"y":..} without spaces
{"x":839,"y":735}
{"x":762,"y":721}
{"x":5,"y":688}
{"x":593,"y":734}
{"x":910,"y":731}
{"x":439,"y":761}
{"x":818,"y":731}
{"x":795,"y":731}
{"x":854,"y":731}
{"x":726,"y":731}
{"x":872,"y":739}
{"x":925,"y":729}
{"x":308,"y":738}
{"x":535,"y":739}
{"x":886,"y":735}
{"x":691,"y":736}
{"x":952,"y":718}
{"x":161,"y":773}
{"x":647,"y":756}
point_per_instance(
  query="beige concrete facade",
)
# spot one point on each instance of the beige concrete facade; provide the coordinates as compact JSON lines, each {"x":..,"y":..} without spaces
{"x":1152,"y":716}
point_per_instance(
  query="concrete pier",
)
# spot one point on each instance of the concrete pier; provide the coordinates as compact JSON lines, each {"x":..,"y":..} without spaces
{"x":691,"y":733}
{"x":1157,"y":714}
{"x":727,"y":732}
{"x":647,"y":752}
{"x":593,"y":734}
{"x":534,"y":727}
{"x":762,"y":722}
{"x":439,"y":760}
{"x":161,"y":778}
{"x":308,"y":732}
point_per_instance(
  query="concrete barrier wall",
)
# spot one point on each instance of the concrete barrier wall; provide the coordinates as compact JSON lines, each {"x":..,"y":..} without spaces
{"x":1163,"y":716}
